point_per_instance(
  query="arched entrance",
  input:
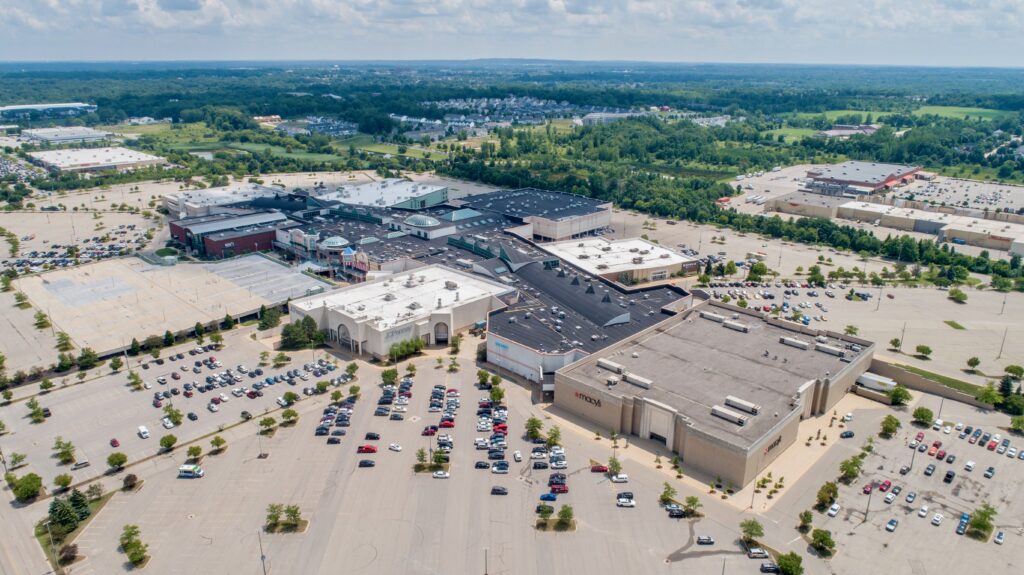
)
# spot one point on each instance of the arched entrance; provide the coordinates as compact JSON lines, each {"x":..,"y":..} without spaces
{"x":440,"y":333}
{"x":343,"y":336}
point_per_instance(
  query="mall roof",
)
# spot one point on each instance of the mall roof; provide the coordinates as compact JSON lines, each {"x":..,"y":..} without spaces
{"x":382,"y":193}
{"x":600,"y":256}
{"x":528,"y":202}
{"x":65,"y":133}
{"x":693,"y":363}
{"x":865,"y":172}
{"x":219,"y":223}
{"x":405,"y":297}
{"x":92,"y":157}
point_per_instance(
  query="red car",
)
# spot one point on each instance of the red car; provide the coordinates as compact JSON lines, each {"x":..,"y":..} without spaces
{"x":215,"y":400}
{"x":973,"y":439}
{"x":157,"y":403}
{"x":559,"y":488}
{"x":404,"y":394}
{"x":885,"y":485}
{"x":920,"y":436}
{"x":932,"y":450}
{"x":115,"y":443}
{"x":936,"y":444}
{"x":867,"y":488}
{"x":941,"y":454}
{"x":188,"y":393}
{"x":992,"y":445}
{"x":599,"y":469}
{"x":366,"y":449}
{"x":251,"y":395}
{"x":501,"y":427}
{"x":428,"y":431}
{"x":175,"y":375}
{"x":447,"y":424}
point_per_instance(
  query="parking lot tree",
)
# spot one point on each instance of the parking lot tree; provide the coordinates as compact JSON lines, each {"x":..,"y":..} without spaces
{"x":173,"y":414}
{"x":894,"y":343}
{"x":290,"y":416}
{"x":1006,"y":386}
{"x":751,"y":529}
{"x":898,"y":395}
{"x":421,"y":456}
{"x":65,"y":361}
{"x":15,"y":460}
{"x":63,"y":341}
{"x":850,"y":468}
{"x":981,"y":522}
{"x":497,"y":394}
{"x":456,"y":343}
{"x":264,"y":358}
{"x":3,"y":427}
{"x":1017,"y":424}
{"x":973,"y":363}
{"x":116,"y":363}
{"x":5,"y":283}
{"x":67,"y":553}
{"x":545,"y":511}
{"x":7,"y":395}
{"x":168,"y":441}
{"x":168,"y":338}
{"x":134,"y":380}
{"x":129,"y":533}
{"x":195,"y":452}
{"x":64,"y":450}
{"x":805,"y":520}
{"x":692,"y":504}
{"x":218,"y":443}
{"x":321,"y":386}
{"x":565,"y":516}
{"x":290,"y":397}
{"x":614,"y":465}
{"x":135,"y":348}
{"x":267,"y":423}
{"x":496,"y":380}
{"x":216,"y":338}
{"x":453,"y":365}
{"x":62,"y":514}
{"x":292,"y":514}
{"x":389,"y":376}
{"x":851,"y":330}
{"x":668,"y":493}
{"x":336,"y":396}
{"x":989,"y":394}
{"x":274,"y":512}
{"x":438,"y":457}
{"x":26,"y":488}
{"x":1015,"y":371}
{"x":821,"y":540}
{"x":410,"y":369}
{"x":923,"y":351}
{"x":152,"y":342}
{"x":62,"y":481}
{"x":923,"y":416}
{"x":228,"y":322}
{"x":353,"y":391}
{"x":80,"y":502}
{"x":46,"y":385}
{"x":117,"y":460}
{"x":21,"y":299}
{"x":94,"y":492}
{"x":482,"y":376}
{"x":730,"y":268}
{"x":351,"y":369}
{"x":890,"y":424}
{"x":269,"y":317}
{"x":957,"y":295}
{"x":280,"y":359}
{"x":130,"y":481}
{"x":554,"y":436}
{"x":534,"y":427}
{"x":790,"y":564}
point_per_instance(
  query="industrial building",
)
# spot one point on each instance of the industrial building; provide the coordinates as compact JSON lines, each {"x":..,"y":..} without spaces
{"x":226,"y":235}
{"x":846,"y":131}
{"x":627,"y":261}
{"x":95,"y":160}
{"x":67,"y":135}
{"x":857,"y":178}
{"x":431,"y":304}
{"x":721,"y":386}
{"x":58,"y":109}
{"x":552,"y":216}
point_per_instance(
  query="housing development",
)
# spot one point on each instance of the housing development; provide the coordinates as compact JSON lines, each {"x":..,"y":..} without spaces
{"x":517,"y":317}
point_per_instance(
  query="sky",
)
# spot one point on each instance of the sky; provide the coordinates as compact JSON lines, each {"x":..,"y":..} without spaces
{"x":898,"y":32}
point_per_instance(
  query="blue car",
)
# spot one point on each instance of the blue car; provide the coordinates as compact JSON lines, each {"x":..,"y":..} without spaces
{"x":549,"y":497}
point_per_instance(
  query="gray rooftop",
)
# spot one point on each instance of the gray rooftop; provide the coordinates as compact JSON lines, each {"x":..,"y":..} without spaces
{"x":211,"y":224}
{"x":528,"y":202}
{"x":694,"y":363}
{"x":866,"y":172}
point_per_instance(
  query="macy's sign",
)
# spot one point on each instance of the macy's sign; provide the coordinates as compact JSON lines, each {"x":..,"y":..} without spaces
{"x":588,"y":399}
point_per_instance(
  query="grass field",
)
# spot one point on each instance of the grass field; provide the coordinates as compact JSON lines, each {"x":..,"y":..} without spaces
{"x":950,"y":382}
{"x":366,"y":142}
{"x":959,"y":112}
{"x":792,"y":134}
{"x":831,"y":115}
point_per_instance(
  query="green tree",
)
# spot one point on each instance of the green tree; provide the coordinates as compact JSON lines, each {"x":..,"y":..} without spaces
{"x":216,"y":338}
{"x":353,"y":391}
{"x":267,"y":423}
{"x":290,"y":416}
{"x":15,"y":459}
{"x":850,"y":468}
{"x":269,"y":318}
{"x":957,"y":295}
{"x":989,"y":394}
{"x":351,"y":369}
{"x":45,"y":386}
{"x":27,"y":488}
{"x":890,"y":424}
{"x":62,"y":481}
{"x":554,"y":436}
{"x":827,"y":494}
{"x":116,"y":363}
{"x":1017,"y":424}
{"x":482,"y":377}
{"x":751,"y":529}
{"x":173,"y":414}
{"x":668,"y":493}
{"x":790,"y":564}
{"x":614,"y":466}
{"x":1015,"y":371}
{"x":64,"y":450}
{"x":80,"y":503}
{"x":194,"y":452}
{"x":565,"y":516}
{"x":456,"y":343}
{"x":136,"y":347}
{"x":894,"y":343}
{"x":439,"y":457}
{"x":292,"y":514}
{"x":981,"y":522}
{"x":389,"y":376}
{"x":923,"y":350}
{"x":218,"y":443}
{"x":898,"y":395}
{"x":321,"y":387}
{"x":62,"y":513}
{"x":1006,"y":387}
{"x":116,"y":460}
{"x":973,"y":363}
{"x":7,"y":395}
{"x":497,"y":394}
{"x":805,"y":520}
{"x":692,"y":504}
{"x":534,"y":427}
{"x":336,"y":396}
{"x":87,"y":359}
{"x":821,"y":539}
{"x":228,"y":322}
{"x":167,"y":442}
{"x":168,"y":338}
{"x":274,"y":512}
{"x":421,"y":456}
{"x":923,"y":416}
{"x":851,"y":330}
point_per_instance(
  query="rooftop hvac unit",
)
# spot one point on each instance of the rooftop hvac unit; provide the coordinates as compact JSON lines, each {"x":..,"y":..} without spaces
{"x":606,"y":249}
{"x":712,"y":316}
{"x":829,"y":349}
{"x":389,"y":297}
{"x":613,"y":380}
{"x":821,"y":339}
{"x":742,"y":404}
{"x":609,"y":365}
{"x":663,"y":256}
{"x":584,"y":257}
{"x":637,"y":380}
{"x":638,"y":260}
{"x":729,"y":415}
{"x":737,"y":326}
{"x":794,"y":342}
{"x":450,"y":285}
{"x":602,"y":266}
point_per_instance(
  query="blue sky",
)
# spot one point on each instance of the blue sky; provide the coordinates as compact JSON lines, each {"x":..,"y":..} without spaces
{"x":919,"y":32}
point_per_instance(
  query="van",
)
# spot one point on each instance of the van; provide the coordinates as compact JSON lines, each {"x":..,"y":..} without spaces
{"x":190,"y":471}
{"x":937,"y":425}
{"x":282,"y":402}
{"x":143,"y":432}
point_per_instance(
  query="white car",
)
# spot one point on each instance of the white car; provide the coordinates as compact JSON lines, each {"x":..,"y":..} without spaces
{"x":959,"y":426}
{"x":167,"y":423}
{"x":969,"y":466}
{"x":923,"y":512}
{"x":236,"y":392}
{"x":947,"y":430}
{"x":147,"y":385}
{"x":440,"y":475}
{"x":559,"y":465}
{"x":434,"y":409}
{"x":223,"y":397}
{"x":1011,"y":452}
{"x":625,"y":503}
{"x":557,"y":450}
{"x":538,"y":455}
{"x":937,"y":519}
{"x":395,"y":447}
{"x":890,"y":497}
{"x":517,"y":456}
{"x":834,"y":510}
{"x":620,"y":478}
{"x":848,"y":417}
{"x":399,"y":409}
{"x":213,"y":407}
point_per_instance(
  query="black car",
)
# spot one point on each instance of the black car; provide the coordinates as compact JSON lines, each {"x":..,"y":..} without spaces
{"x":333,"y":440}
{"x":482,"y":465}
{"x":246,"y":415}
{"x":192,"y":416}
{"x":367,"y":463}
{"x":846,"y":434}
{"x":397,"y":417}
{"x":322,"y":431}
{"x":498,"y":490}
{"x":930,"y":469}
{"x":382,"y":412}
{"x":496,"y":455}
{"x":769,"y":567}
{"x":676,"y":514}
{"x":338,"y":433}
{"x":540,"y":464}
{"x":625,"y":495}
{"x":373,"y":436}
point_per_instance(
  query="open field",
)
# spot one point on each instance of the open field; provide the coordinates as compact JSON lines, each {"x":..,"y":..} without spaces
{"x":366,"y":142}
{"x":792,"y":134}
{"x":961,"y":112}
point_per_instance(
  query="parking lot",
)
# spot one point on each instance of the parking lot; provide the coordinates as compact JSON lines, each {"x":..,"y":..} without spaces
{"x":965,"y":193}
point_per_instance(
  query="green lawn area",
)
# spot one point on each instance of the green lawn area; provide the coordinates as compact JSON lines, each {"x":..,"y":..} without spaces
{"x":44,"y":539}
{"x":793,"y":134}
{"x":126,"y":129}
{"x":960,"y":112}
{"x":953,"y":324}
{"x":831,"y":115}
{"x":166,"y":252}
{"x":366,"y":142}
{"x":279,"y":151}
{"x":951,"y":382}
